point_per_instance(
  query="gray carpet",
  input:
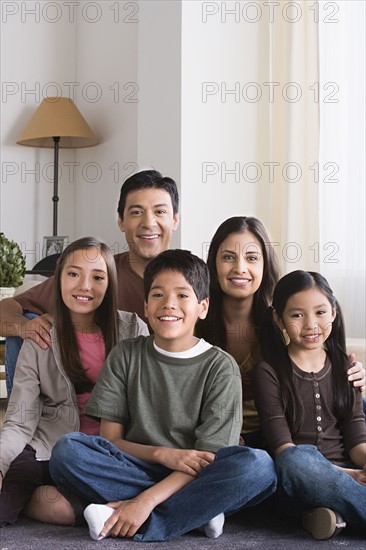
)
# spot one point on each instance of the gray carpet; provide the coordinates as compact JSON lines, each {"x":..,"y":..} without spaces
{"x":255,"y":529}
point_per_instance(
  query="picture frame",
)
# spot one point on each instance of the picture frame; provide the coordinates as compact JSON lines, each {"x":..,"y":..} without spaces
{"x":54,"y":245}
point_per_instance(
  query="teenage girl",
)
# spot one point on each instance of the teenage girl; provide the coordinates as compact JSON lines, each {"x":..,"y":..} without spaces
{"x":52,"y":386}
{"x":244,"y":270}
{"x":311,"y":416}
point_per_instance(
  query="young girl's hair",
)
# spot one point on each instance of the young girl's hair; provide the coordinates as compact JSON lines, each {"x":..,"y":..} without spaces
{"x":213,"y":328}
{"x":274,"y":349}
{"x":105,"y":316}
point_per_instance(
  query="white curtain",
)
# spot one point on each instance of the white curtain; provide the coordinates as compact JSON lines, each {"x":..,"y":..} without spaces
{"x":342,"y":160}
{"x":292,"y":209}
{"x":316,"y":201}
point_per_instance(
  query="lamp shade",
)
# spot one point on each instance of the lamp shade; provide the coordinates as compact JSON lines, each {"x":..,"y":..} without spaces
{"x":57,"y":117}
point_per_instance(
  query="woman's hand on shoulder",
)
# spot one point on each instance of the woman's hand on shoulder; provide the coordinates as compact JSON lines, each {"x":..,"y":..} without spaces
{"x":356,"y":373}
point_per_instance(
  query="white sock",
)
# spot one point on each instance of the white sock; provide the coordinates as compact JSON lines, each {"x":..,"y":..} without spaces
{"x":96,"y":515}
{"x":214,"y":528}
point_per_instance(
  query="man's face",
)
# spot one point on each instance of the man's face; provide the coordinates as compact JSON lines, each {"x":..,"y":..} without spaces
{"x":148,"y":222}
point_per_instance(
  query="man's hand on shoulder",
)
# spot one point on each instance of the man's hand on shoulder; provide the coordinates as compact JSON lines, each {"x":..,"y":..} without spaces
{"x":38,"y":329}
{"x":188,"y":461}
{"x":13,"y":323}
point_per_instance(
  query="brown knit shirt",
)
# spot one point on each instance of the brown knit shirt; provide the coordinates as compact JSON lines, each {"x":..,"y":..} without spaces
{"x":320,"y":426}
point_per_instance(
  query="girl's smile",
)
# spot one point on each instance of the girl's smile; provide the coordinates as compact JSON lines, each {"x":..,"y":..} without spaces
{"x":84,"y":281}
{"x":308,"y":319}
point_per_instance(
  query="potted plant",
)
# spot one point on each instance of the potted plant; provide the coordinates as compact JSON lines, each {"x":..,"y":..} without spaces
{"x":12,"y":267}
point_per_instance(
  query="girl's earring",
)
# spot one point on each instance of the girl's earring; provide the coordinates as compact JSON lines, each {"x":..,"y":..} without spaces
{"x":285,"y":337}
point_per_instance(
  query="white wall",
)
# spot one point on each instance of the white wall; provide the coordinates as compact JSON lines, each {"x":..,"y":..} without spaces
{"x":34,"y":54}
{"x":89,"y":51}
{"x":106,"y":53}
{"x":153,"y":80}
{"x":159,"y":78}
{"x":222,"y":132}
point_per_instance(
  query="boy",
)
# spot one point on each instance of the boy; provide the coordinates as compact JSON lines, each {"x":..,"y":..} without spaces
{"x":148,"y":215}
{"x":168,"y":459}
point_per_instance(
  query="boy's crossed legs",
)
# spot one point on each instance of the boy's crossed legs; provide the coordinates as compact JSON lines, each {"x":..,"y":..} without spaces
{"x":99,"y":472}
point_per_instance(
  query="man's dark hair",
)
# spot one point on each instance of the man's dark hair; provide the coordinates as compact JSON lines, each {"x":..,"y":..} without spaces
{"x":194,"y":270}
{"x":144,"y":180}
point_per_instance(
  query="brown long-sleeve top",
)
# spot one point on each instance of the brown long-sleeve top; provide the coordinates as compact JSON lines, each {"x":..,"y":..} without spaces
{"x":320,"y":426}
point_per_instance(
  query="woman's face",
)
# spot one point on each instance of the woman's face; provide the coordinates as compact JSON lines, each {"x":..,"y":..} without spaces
{"x":239,"y":265}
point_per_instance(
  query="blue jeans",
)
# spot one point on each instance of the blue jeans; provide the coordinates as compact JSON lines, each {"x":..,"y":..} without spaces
{"x":306,"y":479}
{"x":99,"y":472}
{"x":12,"y":349}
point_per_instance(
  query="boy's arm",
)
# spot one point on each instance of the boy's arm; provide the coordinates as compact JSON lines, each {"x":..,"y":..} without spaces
{"x":188,"y":461}
{"x":131,"y":514}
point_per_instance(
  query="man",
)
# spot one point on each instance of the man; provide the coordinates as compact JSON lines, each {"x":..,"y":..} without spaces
{"x":147,"y":214}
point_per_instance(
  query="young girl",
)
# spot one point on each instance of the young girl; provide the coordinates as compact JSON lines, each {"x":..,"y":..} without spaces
{"x":52,"y":386}
{"x":244,"y":270}
{"x":312,"y":417}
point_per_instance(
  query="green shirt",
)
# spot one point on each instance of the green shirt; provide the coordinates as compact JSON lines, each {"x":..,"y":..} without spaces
{"x":193,"y":403}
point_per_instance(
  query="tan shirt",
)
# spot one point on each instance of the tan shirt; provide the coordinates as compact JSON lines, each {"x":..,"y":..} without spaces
{"x":251,"y":421}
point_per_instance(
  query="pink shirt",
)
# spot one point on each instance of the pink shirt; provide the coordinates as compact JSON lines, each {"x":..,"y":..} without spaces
{"x":92,"y":355}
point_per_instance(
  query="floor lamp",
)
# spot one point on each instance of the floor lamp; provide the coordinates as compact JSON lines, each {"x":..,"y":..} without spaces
{"x":57,"y":123}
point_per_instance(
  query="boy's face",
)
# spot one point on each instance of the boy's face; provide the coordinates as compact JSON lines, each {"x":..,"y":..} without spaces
{"x":148,"y":222}
{"x":172,"y":309}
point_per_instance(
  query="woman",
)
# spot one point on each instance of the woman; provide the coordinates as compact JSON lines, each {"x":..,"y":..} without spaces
{"x":244,"y":271}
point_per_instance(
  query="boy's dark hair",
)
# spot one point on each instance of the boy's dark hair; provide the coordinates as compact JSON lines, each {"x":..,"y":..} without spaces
{"x":194,"y":270}
{"x":274,"y":349}
{"x":144,"y":180}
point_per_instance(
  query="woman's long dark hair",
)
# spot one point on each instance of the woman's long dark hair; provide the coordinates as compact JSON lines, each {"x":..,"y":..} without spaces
{"x":213,"y":327}
{"x":105,"y":316}
{"x":274,"y":349}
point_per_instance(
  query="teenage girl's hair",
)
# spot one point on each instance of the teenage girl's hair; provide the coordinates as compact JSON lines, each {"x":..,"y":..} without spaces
{"x":213,"y":328}
{"x":105,"y":316}
{"x":274,"y":349}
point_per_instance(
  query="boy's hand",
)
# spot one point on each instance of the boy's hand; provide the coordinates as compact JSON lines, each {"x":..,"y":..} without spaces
{"x":359,"y":475}
{"x":128,"y":517}
{"x":356,"y":373}
{"x":188,"y":461}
